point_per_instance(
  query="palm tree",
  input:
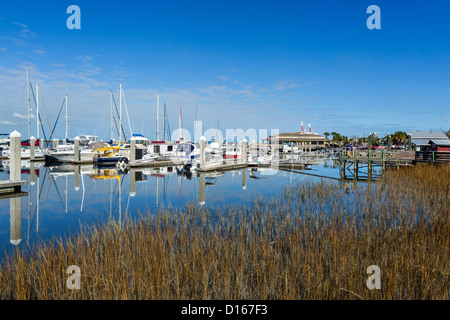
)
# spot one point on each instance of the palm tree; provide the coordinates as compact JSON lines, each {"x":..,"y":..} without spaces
{"x":326,"y":134}
{"x":400,"y":137}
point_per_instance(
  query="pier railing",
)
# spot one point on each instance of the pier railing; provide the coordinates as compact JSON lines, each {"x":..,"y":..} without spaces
{"x":432,"y":156}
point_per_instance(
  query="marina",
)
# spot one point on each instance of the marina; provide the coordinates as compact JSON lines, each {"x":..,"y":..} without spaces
{"x":130,"y":188}
{"x":230,"y":153}
{"x":63,"y":196}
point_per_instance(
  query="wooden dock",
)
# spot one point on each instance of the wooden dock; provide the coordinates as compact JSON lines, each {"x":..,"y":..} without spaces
{"x":432,"y":156}
{"x":156,"y":164}
{"x":91,"y":161}
{"x":34,"y":160}
{"x":14,"y":186}
{"x":10,"y":194}
{"x":223,"y":167}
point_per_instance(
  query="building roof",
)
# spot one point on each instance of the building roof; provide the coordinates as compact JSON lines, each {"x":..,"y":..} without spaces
{"x":427,"y":135}
{"x":420,"y":142}
{"x":440,"y":142}
{"x":297,"y":136}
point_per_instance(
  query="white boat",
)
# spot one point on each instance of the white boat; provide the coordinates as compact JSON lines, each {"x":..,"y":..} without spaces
{"x":162,"y":148}
{"x":147,"y":158}
{"x":86,"y":139}
{"x":140,"y":142}
{"x":216,"y":147}
{"x":25,"y":152}
{"x":65,"y":153}
{"x":186,"y":151}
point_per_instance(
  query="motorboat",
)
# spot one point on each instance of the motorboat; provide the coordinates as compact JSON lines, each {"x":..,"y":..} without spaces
{"x":66,"y":152}
{"x":25,"y":152}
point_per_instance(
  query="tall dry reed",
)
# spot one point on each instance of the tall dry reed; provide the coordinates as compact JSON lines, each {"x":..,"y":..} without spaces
{"x":313,"y":241}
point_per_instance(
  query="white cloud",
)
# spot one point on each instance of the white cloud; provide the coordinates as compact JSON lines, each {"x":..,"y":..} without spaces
{"x":283,"y":85}
{"x":7,"y":123}
{"x":25,"y":32}
{"x":88,"y":91}
{"x":24,"y":26}
{"x":22,"y":116}
{"x":39,"y":52}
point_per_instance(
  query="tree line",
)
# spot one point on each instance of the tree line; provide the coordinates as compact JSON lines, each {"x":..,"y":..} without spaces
{"x":398,"y":138}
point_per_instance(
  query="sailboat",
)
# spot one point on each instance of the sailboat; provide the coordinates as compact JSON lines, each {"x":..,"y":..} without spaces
{"x":24,"y":150}
{"x":65,"y":152}
{"x":160,"y":148}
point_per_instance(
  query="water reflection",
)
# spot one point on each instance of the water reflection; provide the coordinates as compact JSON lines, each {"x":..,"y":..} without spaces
{"x":62,"y":197}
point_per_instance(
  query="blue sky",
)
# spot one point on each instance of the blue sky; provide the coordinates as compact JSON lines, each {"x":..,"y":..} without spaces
{"x":251,"y":64}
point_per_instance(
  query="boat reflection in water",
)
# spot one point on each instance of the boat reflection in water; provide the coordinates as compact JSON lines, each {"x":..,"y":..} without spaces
{"x":61,"y":198}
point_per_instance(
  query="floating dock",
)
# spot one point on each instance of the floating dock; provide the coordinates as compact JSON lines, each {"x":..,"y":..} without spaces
{"x":223,"y":167}
{"x":12,"y":189}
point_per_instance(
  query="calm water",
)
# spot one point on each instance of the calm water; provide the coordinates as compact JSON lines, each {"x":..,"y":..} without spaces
{"x":59,"y":199}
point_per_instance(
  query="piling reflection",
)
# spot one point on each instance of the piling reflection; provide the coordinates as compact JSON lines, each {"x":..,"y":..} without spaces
{"x":62,"y":196}
{"x":15,"y":211}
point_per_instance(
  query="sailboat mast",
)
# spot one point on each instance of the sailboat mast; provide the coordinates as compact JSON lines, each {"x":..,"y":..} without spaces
{"x":37,"y":111}
{"x":157,"y":117}
{"x":164,"y":130}
{"x":120,"y":114}
{"x":181,"y":122}
{"x":67,"y":120}
{"x":28,"y":112}
{"x":110,"y":105}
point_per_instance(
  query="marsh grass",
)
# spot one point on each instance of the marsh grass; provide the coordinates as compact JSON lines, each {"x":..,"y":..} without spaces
{"x":313,"y":241}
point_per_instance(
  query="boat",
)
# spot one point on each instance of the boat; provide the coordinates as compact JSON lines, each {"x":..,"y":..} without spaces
{"x":85,"y":139}
{"x":164,"y":149}
{"x":109,"y":156}
{"x":231,"y":151}
{"x":25,"y":153}
{"x":186,"y":151}
{"x":65,"y":152}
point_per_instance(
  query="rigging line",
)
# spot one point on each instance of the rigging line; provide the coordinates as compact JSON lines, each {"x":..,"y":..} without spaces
{"x":126,"y":110}
{"x":115,"y":188}
{"x":168,"y":124}
{"x":45,"y":202}
{"x":126,"y":210}
{"x":39,"y":197}
{"x":116,"y":126}
{"x":39,"y":117}
{"x":57,"y":118}
{"x":118,"y":116}
{"x":45,"y":112}
{"x":59,"y":194}
{"x":116,"y":197}
{"x":114,"y":193}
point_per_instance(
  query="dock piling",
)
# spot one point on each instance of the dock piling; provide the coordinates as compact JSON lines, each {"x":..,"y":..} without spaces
{"x":132,"y":151}
{"x":202,"y":193}
{"x":244,"y":151}
{"x":32,"y":148}
{"x":15,"y":174}
{"x":202,"y":153}
{"x":133,"y":181}
{"x":15,"y":220}
{"x":76,"y":180}
{"x":76,"y":150}
{"x":32,"y":174}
